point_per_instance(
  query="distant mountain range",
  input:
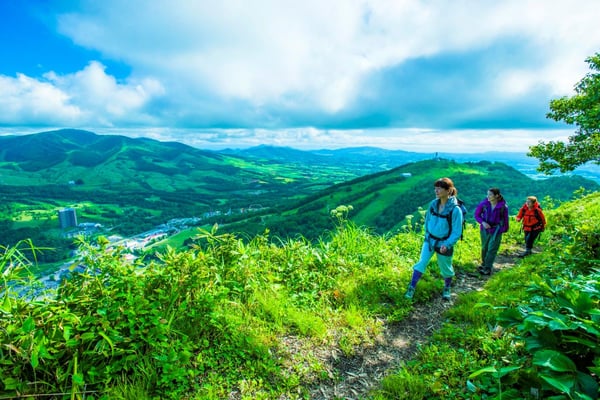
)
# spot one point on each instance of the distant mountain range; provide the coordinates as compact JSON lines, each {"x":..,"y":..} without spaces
{"x":68,"y":154}
{"x":376,"y":159}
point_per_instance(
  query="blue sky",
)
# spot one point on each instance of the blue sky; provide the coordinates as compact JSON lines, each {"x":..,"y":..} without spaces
{"x":433,"y":75}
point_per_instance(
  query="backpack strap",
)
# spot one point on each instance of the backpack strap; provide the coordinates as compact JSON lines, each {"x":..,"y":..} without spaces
{"x":539,"y":223}
{"x":448,"y":217}
{"x":502,"y":214}
{"x":463,"y":210}
{"x":501,"y":223}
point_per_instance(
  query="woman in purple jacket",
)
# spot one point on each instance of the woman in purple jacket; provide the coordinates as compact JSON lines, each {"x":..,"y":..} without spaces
{"x":492,"y":216}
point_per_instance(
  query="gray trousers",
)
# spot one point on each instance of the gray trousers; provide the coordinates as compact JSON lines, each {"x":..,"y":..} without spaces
{"x":490,"y":243}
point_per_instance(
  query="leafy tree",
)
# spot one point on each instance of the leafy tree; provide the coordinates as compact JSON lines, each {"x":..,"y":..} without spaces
{"x":582,"y":110}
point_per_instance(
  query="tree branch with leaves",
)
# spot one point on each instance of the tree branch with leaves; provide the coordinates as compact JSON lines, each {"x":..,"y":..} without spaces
{"x":583,"y":111}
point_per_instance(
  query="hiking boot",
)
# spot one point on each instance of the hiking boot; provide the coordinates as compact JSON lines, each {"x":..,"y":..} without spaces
{"x":410,"y":292}
{"x":484,"y":271}
{"x":525,"y":253}
{"x":446,"y":293}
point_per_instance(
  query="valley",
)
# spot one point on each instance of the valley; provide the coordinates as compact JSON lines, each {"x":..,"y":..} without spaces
{"x":130,"y":186}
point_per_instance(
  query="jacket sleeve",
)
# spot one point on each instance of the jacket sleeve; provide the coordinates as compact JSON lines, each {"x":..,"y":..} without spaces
{"x":426,"y":222}
{"x":543,"y":217}
{"x":478,"y":213}
{"x":521,"y":213}
{"x":457,"y":220}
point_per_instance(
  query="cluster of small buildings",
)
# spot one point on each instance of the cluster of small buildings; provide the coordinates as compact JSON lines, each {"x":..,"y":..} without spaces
{"x":67,"y":218}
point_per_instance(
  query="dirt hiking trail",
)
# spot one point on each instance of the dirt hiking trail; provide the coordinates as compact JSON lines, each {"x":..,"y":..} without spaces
{"x":353,"y":377}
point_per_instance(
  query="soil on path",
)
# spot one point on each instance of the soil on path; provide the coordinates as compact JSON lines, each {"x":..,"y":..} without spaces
{"x":353,"y":377}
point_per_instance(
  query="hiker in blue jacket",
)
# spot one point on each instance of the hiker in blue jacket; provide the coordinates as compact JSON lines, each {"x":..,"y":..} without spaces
{"x":492,"y":216}
{"x":443,"y":228}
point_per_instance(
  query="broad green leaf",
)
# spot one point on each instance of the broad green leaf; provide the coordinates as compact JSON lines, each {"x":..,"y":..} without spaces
{"x":511,"y":316}
{"x":543,"y":340}
{"x":506,"y":370}
{"x":592,"y":344}
{"x":534,"y":322}
{"x":28,"y":325}
{"x":563,"y":383}
{"x":552,"y":315}
{"x":88,"y":336}
{"x":584,"y":303}
{"x":581,"y":396}
{"x":10,"y":383}
{"x":554,"y":360}
{"x":559,"y":325}
{"x":43,"y":351}
{"x":595,"y":370}
{"x":35,"y":361}
{"x":483,"y":371}
{"x":588,"y":384}
{"x":7,"y":304}
{"x":588,"y":327}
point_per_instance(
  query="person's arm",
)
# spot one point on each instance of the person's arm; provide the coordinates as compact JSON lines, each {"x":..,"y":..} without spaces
{"x":457,"y":219}
{"x":521,"y":214}
{"x":427,"y":216}
{"x":478,"y":213}
{"x":543,"y":217}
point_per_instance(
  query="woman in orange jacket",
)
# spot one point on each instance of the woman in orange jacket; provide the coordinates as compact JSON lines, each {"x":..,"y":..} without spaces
{"x":534,"y":222}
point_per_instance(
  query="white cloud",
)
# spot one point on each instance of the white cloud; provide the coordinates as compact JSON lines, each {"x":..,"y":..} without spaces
{"x":316,"y":52}
{"x":85,"y":97}
{"x":268,"y":63}
{"x":24,"y":100}
{"x":101,"y":94}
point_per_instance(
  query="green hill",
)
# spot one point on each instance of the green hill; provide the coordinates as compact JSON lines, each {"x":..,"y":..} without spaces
{"x":382,"y":201}
{"x":103,"y":162}
{"x":368,"y":160}
{"x":135,"y":184}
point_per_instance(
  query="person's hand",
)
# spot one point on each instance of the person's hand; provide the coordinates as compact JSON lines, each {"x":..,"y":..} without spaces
{"x":486,"y":225}
{"x":443,"y":249}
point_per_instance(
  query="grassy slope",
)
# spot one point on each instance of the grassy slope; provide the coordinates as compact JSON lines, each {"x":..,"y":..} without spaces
{"x":216,"y":320}
{"x":381,"y":201}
